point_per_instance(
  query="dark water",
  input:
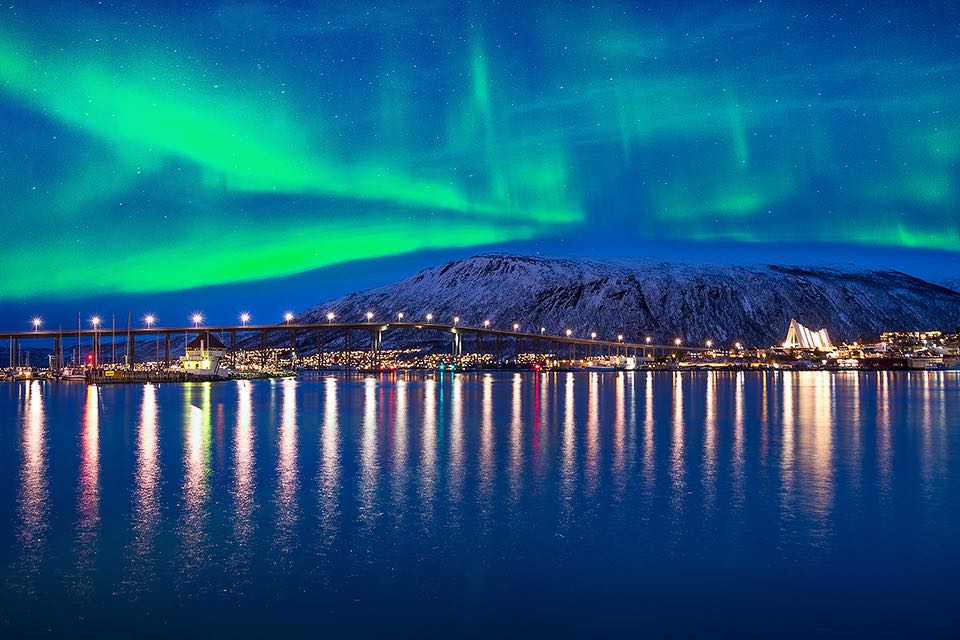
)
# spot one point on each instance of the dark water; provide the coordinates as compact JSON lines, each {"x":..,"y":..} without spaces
{"x":484,"y":505}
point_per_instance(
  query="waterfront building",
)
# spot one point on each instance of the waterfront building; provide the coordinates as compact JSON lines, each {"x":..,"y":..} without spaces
{"x":203,"y":356}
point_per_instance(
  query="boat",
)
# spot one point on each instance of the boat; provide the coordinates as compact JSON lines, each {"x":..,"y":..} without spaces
{"x":75,"y":374}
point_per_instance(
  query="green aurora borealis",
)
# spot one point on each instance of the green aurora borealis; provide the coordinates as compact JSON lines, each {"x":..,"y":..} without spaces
{"x":148,"y":147}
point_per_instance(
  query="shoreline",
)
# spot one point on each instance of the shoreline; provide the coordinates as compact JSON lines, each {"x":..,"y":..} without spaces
{"x":181,"y":378}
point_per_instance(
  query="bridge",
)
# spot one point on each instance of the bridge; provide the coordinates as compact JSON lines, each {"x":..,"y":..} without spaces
{"x":326,"y":332}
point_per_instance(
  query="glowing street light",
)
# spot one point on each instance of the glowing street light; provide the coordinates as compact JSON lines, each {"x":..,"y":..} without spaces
{"x":369,"y":316}
{"x":95,"y":321}
{"x":543,"y":330}
{"x":36,"y":322}
{"x":709,"y":343}
{"x":149,"y":320}
{"x":516,"y":327}
{"x":400,"y":316}
{"x":648,"y":339}
{"x":737,"y":346}
{"x":244,"y":318}
{"x":619,"y":337}
{"x":429,"y":317}
{"x":287,"y":317}
{"x":593,"y":335}
{"x":677,"y":342}
{"x":486,"y":323}
{"x":196,"y":318}
{"x":330,"y":316}
{"x":456,"y":320}
{"x":569,"y":333}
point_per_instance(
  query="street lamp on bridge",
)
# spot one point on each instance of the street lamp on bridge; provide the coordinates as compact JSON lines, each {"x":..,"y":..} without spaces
{"x":95,"y":321}
{"x":619,"y":337}
{"x":569,"y":333}
{"x":369,"y":316}
{"x":330,"y":316}
{"x":288,"y":317}
{"x":36,"y":322}
{"x":244,"y":319}
{"x":400,"y":316}
{"x":516,"y":327}
{"x":486,"y":324}
{"x":593,"y":335}
{"x":149,"y":320}
{"x":197,"y":318}
{"x":677,"y":342}
{"x":429,"y":317}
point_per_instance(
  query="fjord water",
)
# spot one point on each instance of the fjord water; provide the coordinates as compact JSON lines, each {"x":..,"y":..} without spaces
{"x":484,"y":504}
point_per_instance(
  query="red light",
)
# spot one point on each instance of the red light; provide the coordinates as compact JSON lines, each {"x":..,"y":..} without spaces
{"x":89,"y":356}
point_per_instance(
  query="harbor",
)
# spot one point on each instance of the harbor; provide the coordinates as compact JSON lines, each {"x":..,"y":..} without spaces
{"x":277,"y":351}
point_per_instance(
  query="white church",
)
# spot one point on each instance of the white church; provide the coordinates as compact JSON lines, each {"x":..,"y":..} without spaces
{"x":800,"y":337}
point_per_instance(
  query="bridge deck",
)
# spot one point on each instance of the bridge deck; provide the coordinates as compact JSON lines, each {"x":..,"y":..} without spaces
{"x":334,"y":326}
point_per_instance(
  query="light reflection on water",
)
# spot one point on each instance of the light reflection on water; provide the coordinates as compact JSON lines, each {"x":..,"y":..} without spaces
{"x":328,"y":511}
{"x":88,"y":494}
{"x":33,"y":494}
{"x":193,"y":534}
{"x":401,"y":445}
{"x":342,"y":486}
{"x":457,"y":464}
{"x":428,"y":457}
{"x":515,"y":464}
{"x":287,"y":475}
{"x":244,"y":478}
{"x":146,"y":498}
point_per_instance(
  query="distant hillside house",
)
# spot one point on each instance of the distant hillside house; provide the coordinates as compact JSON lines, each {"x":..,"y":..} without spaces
{"x":800,"y":337}
{"x":203,"y":355}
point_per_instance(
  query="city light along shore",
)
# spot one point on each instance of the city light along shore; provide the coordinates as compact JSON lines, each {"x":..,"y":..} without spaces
{"x":153,"y":353}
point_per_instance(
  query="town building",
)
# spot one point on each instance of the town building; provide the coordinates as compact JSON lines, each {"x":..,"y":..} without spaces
{"x":203,"y":356}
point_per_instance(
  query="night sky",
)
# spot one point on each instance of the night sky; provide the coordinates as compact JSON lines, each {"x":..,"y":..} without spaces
{"x":257,"y":156}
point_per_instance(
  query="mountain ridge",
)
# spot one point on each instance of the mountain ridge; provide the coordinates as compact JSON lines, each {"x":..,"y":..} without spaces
{"x":640,"y":297}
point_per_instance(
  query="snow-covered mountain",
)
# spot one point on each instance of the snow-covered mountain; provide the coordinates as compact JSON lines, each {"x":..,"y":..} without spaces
{"x":951,"y":283}
{"x":638,"y":298}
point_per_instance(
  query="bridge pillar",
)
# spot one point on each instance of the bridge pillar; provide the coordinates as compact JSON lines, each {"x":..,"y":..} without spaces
{"x":233,"y":348}
{"x":319,"y":349}
{"x":166,"y":350}
{"x":457,"y":346}
{"x":263,"y":350}
{"x":348,"y":356}
{"x":293,"y":348}
{"x":375,"y":338}
{"x":131,"y":351}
